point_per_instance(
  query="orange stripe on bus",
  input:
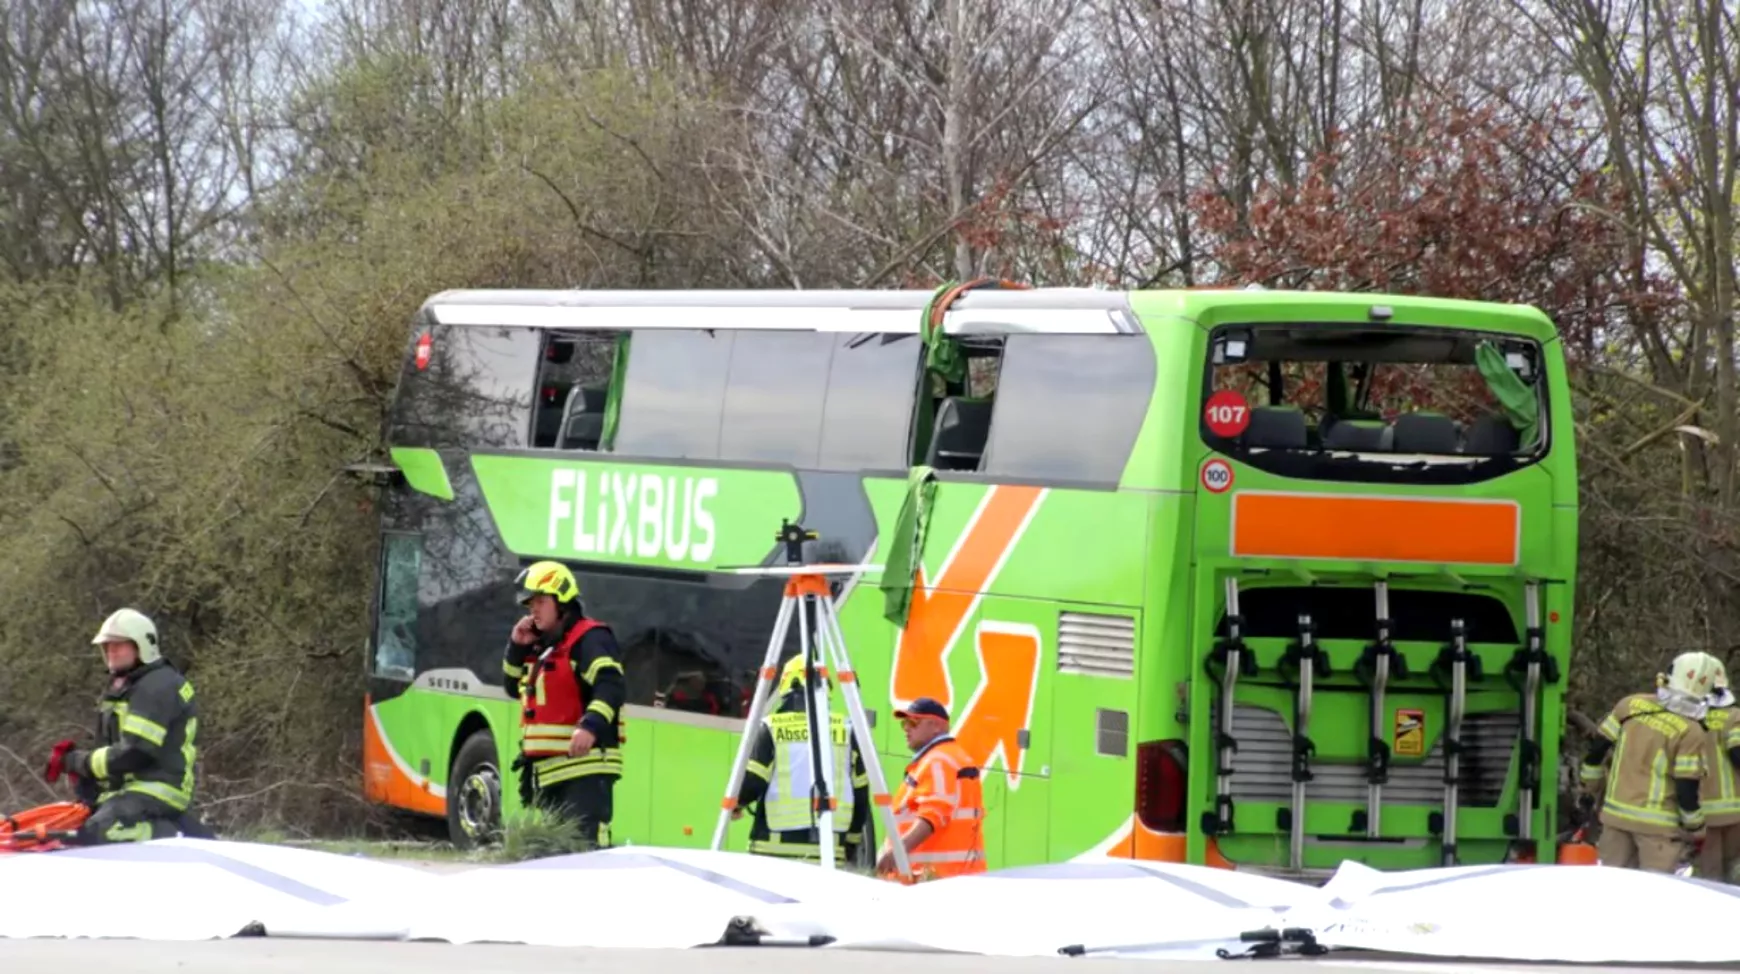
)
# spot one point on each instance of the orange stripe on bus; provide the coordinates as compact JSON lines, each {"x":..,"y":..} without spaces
{"x":1328,"y":526}
{"x":384,"y":782}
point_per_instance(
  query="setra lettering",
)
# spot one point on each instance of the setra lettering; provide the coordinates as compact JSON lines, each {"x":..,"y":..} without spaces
{"x":631,"y":515}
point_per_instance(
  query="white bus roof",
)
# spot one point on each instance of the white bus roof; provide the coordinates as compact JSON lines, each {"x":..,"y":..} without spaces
{"x":1076,"y":311}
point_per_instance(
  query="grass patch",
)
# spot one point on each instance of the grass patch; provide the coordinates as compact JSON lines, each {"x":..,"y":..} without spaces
{"x":434,"y":851}
{"x":536,"y":833}
{"x":428,"y":850}
{"x":532,"y":834}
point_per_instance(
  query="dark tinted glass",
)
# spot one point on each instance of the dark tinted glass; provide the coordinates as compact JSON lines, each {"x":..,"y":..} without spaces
{"x":868,"y":412}
{"x":1068,"y":407}
{"x":574,"y":389}
{"x":396,"y":634}
{"x":466,"y":586}
{"x":674,"y":392}
{"x":476,"y":390}
{"x":773,"y":397}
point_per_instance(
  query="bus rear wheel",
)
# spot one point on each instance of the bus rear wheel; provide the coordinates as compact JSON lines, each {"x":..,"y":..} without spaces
{"x":474,"y":793}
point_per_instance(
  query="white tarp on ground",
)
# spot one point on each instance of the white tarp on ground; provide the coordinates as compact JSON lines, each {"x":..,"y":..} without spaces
{"x":623,"y":897}
{"x":1578,"y":914}
{"x":185,"y":889}
{"x":1109,"y":908}
{"x":190,"y":889}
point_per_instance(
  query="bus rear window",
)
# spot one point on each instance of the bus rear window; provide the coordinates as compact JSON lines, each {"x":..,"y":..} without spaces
{"x":1374,"y":403}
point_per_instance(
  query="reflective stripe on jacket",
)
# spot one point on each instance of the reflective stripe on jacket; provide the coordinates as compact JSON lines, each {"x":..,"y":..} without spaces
{"x":845,"y":848}
{"x":793,"y":778}
{"x":1652,"y":746}
{"x":552,"y":698}
{"x":1717,"y":795}
{"x":942,"y":787}
{"x":149,"y":725}
{"x":779,"y":776}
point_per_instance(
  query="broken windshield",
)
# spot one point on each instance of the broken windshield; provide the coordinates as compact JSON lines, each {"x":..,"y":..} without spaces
{"x":1374,"y":402}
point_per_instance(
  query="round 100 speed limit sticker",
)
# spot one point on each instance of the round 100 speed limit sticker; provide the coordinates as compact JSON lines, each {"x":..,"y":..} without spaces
{"x":1217,"y":476}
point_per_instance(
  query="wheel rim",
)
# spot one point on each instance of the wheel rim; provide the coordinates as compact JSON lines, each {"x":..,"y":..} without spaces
{"x":479,"y":796}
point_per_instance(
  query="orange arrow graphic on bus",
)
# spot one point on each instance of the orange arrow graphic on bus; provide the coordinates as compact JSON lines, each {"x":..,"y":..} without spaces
{"x":939,"y":614}
{"x":991,"y":723}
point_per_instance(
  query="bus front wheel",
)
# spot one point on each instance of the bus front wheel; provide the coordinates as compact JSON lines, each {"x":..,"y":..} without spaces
{"x":474,"y":793}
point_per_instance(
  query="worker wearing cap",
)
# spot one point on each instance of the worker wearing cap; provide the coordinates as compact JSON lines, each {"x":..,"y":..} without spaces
{"x":1720,"y":858}
{"x":781,"y":778}
{"x":939,"y":809}
{"x":1652,"y":817}
{"x":139,"y":782}
{"x":565,"y":668}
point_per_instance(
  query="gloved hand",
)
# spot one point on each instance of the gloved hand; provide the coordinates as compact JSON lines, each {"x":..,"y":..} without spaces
{"x":1586,"y":804}
{"x":57,"y":762}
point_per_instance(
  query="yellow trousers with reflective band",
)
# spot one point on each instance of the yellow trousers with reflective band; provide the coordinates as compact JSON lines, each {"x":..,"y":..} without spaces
{"x":129,"y":817}
{"x":559,"y":768}
{"x":845,"y":849}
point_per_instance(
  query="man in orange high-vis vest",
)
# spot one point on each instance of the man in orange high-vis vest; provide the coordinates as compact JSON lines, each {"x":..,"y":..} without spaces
{"x":939,"y":809}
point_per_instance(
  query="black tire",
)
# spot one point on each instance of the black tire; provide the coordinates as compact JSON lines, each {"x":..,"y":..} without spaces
{"x":474,"y":793}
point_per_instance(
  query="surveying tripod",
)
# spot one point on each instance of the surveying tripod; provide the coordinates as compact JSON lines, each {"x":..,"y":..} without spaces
{"x":824,"y":649}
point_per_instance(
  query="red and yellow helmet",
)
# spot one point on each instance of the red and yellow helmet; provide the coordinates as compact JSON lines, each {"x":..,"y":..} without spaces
{"x":548,"y":578}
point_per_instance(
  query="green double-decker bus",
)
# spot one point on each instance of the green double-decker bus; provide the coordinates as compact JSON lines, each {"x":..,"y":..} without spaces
{"x":1260,"y":579}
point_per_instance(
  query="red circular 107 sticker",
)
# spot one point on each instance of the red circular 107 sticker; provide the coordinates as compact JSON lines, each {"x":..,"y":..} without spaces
{"x":1217,"y":476}
{"x":1227,"y":414}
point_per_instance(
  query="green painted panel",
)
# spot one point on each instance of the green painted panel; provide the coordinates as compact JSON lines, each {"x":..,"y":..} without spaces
{"x":1164,"y":662}
{"x":1159,"y":447}
{"x":870,"y":641}
{"x":996,"y":797}
{"x":423,"y":470}
{"x":1100,"y":536}
{"x":1096,"y":791}
{"x":674,"y":517}
{"x":420,"y":725}
{"x":684,"y":776}
{"x":1006,"y":630}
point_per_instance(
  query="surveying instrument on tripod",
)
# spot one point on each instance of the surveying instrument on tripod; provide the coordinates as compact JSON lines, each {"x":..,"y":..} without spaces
{"x":823,"y":647}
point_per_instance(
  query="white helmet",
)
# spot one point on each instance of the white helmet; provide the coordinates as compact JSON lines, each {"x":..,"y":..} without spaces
{"x":1720,"y":694}
{"x":131,"y":624}
{"x":1695,"y":674}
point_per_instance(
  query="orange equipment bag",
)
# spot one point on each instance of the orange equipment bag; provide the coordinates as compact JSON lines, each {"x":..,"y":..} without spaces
{"x":44,"y":828}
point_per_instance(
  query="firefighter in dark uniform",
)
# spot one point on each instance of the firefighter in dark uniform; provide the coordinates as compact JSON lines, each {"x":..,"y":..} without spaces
{"x":565,"y":669}
{"x":781,"y":775}
{"x":139,"y":782}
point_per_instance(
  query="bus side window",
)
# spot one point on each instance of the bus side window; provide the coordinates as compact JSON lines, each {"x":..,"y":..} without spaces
{"x":868,"y":411}
{"x":673,"y":394}
{"x":396,"y":621}
{"x":774,"y":394}
{"x":1069,"y":407}
{"x":574,"y":389}
{"x":960,"y":418}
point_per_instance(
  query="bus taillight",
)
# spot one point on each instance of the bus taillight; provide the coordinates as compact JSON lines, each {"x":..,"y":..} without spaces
{"x":1160,"y":784}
